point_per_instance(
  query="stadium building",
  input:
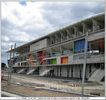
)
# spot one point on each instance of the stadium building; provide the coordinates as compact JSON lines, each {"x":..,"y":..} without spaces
{"x":63,"y":53}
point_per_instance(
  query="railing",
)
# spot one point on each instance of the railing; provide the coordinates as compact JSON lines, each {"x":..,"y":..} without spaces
{"x":73,"y":59}
{"x":80,"y":56}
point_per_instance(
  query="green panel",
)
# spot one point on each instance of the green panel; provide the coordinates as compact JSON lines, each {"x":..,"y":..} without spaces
{"x":53,"y":61}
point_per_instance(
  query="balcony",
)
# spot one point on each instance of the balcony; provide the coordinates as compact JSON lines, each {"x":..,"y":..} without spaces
{"x":91,"y":58}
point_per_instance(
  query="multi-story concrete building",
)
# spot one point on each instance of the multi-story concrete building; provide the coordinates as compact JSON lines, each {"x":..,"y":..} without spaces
{"x":62,"y":53}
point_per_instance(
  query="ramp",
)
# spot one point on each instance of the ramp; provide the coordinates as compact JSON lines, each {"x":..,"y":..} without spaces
{"x":30,"y":71}
{"x":45,"y":71}
{"x":97,"y":75}
{"x":21,"y":71}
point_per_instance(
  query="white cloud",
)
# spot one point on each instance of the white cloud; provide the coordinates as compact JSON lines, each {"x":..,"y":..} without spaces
{"x":19,"y":14}
{"x":5,"y":38}
{"x":22,"y":37}
{"x":7,"y":44}
{"x":91,"y":4}
{"x":6,"y":13}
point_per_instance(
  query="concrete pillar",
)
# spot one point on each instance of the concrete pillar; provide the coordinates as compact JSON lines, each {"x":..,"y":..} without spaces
{"x":55,"y":71}
{"x":76,"y":31}
{"x":95,"y":25}
{"x":85,"y":29}
{"x":68,"y":34}
{"x":72,"y":71}
{"x":68,"y":71}
{"x":60,"y":71}
{"x":64,"y":71}
{"x":76,"y":71}
{"x":61,"y":36}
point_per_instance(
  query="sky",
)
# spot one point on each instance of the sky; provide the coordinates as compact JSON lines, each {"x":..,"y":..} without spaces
{"x":21,"y":23}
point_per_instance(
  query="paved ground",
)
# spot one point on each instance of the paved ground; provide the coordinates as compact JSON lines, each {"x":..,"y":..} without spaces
{"x":40,"y":86}
{"x":36,"y":92}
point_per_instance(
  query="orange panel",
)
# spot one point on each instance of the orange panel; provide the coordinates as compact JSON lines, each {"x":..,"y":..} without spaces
{"x":64,"y":60}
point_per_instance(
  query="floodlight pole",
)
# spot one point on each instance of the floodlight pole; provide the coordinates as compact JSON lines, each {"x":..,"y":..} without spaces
{"x":11,"y":63}
{"x":9,"y":69}
{"x":84,"y":64}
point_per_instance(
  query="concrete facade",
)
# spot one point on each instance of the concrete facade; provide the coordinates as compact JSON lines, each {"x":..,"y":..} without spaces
{"x":68,"y":56}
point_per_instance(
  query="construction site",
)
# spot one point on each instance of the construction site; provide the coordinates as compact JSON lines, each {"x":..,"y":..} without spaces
{"x":61,"y":63}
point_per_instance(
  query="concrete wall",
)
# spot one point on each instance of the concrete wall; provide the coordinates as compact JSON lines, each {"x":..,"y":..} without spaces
{"x":76,"y":72}
{"x":64,"y":71}
{"x":98,"y":35}
{"x":70,"y":59}
{"x":91,"y":59}
{"x":58,"y":60}
{"x":38,"y":45}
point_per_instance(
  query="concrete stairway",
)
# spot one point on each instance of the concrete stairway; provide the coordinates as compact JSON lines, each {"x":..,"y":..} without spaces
{"x":30,"y":71}
{"x":21,"y":71}
{"x":97,"y":75}
{"x":45,"y":71}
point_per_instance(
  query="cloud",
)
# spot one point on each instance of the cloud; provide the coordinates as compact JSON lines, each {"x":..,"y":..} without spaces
{"x":61,"y":15}
{"x":5,"y":38}
{"x":22,"y":24}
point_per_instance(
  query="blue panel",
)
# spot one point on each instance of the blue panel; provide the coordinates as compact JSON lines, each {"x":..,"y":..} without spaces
{"x":82,"y":44}
{"x":48,"y":61}
{"x":79,"y":45}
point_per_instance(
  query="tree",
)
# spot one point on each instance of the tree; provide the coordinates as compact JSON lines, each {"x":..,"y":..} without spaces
{"x":3,"y":66}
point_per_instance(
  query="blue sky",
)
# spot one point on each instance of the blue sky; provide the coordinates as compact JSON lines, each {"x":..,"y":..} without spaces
{"x":23,"y":23}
